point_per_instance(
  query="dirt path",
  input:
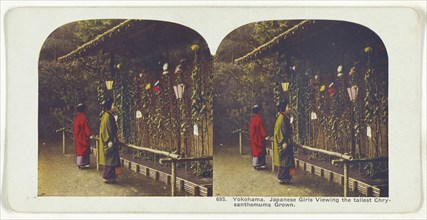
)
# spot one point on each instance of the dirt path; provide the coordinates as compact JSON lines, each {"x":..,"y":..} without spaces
{"x":235,"y":176}
{"x":58,"y":175}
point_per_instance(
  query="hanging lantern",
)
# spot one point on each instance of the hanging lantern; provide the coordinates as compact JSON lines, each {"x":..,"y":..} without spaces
{"x":331,"y":89}
{"x":196,"y":130}
{"x":109,"y":84}
{"x":339,"y":70}
{"x":291,"y":120}
{"x":313,"y":116}
{"x":368,"y":131}
{"x":179,"y":90}
{"x":352,"y":93}
{"x":194,"y":47}
{"x":285,"y":86}
{"x":156,"y":88}
{"x":138,"y":114}
{"x":165,"y":69}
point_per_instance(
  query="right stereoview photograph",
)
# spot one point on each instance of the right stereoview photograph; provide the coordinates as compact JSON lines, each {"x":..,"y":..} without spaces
{"x":301,"y":110}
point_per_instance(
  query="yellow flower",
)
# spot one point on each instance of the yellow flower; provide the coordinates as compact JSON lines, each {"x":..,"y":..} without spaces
{"x":148,"y":86}
{"x":194,"y":47}
{"x":368,"y":49}
{"x":322,"y":88}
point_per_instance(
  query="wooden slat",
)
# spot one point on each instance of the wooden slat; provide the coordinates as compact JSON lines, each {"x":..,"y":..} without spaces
{"x":182,"y":184}
{"x":354,"y":185}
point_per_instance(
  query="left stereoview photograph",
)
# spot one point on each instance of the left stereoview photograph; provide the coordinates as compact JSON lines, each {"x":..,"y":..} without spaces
{"x":125,"y":109}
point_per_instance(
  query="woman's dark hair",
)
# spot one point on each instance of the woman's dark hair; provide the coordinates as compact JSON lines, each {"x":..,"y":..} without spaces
{"x":81,"y":107}
{"x":256,"y":109}
{"x":108,"y":104}
{"x":281,"y":106}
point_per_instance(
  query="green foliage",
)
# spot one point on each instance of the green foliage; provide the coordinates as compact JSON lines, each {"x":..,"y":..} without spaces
{"x":202,"y":169}
{"x":376,"y":169}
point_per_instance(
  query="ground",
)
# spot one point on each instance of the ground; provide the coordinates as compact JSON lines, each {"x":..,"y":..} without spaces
{"x":235,"y":176}
{"x":59,"y":176}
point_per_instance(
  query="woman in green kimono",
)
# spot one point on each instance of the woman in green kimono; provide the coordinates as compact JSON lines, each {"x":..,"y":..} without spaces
{"x":283,"y":151}
{"x":108,"y":143}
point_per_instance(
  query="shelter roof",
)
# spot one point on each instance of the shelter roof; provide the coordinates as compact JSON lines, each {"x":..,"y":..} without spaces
{"x":319,"y":41}
{"x":134,"y":38}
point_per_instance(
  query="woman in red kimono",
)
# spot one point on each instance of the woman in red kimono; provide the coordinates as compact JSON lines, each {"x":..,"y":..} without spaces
{"x":82,"y":134}
{"x":257,"y":136}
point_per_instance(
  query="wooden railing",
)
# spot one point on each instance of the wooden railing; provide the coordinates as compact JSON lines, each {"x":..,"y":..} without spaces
{"x":240,"y":131}
{"x":63,"y":130}
{"x":173,"y":162}
{"x":170,"y":158}
{"x":344,"y":159}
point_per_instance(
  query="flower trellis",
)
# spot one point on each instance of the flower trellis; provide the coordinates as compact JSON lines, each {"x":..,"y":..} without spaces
{"x":335,"y":109}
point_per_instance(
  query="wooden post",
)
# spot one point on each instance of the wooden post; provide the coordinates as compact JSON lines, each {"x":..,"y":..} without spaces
{"x":63,"y":141}
{"x":173,"y":181}
{"x":97,"y":154}
{"x":240,"y":142}
{"x":272,"y":156}
{"x":345,"y":179}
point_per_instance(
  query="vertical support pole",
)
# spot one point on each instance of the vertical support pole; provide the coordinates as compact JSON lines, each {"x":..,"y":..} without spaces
{"x":63,"y":140}
{"x":197,"y":153}
{"x":240,"y":142}
{"x":173,"y":180}
{"x":97,"y":154}
{"x":178,"y":114}
{"x":353,"y":141}
{"x":272,"y":155}
{"x":345,"y":179}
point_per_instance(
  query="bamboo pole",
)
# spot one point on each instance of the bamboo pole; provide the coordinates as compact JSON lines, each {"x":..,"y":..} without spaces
{"x":63,"y":138}
{"x":97,"y":153}
{"x":173,"y":180}
{"x":360,"y":160}
{"x":330,"y":153}
{"x":63,"y":141}
{"x":158,"y":152}
{"x":240,"y":143}
{"x":345,"y":179}
{"x":272,"y":155}
{"x":187,"y":159}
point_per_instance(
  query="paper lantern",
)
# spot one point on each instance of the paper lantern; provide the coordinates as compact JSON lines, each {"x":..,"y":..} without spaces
{"x":109,"y":84}
{"x":313,"y":116}
{"x":196,"y":130}
{"x":339,"y":71}
{"x":368,"y":131}
{"x":179,"y":90}
{"x":138,"y":114}
{"x":331,"y":91}
{"x":285,"y":86}
{"x":352,"y":93}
